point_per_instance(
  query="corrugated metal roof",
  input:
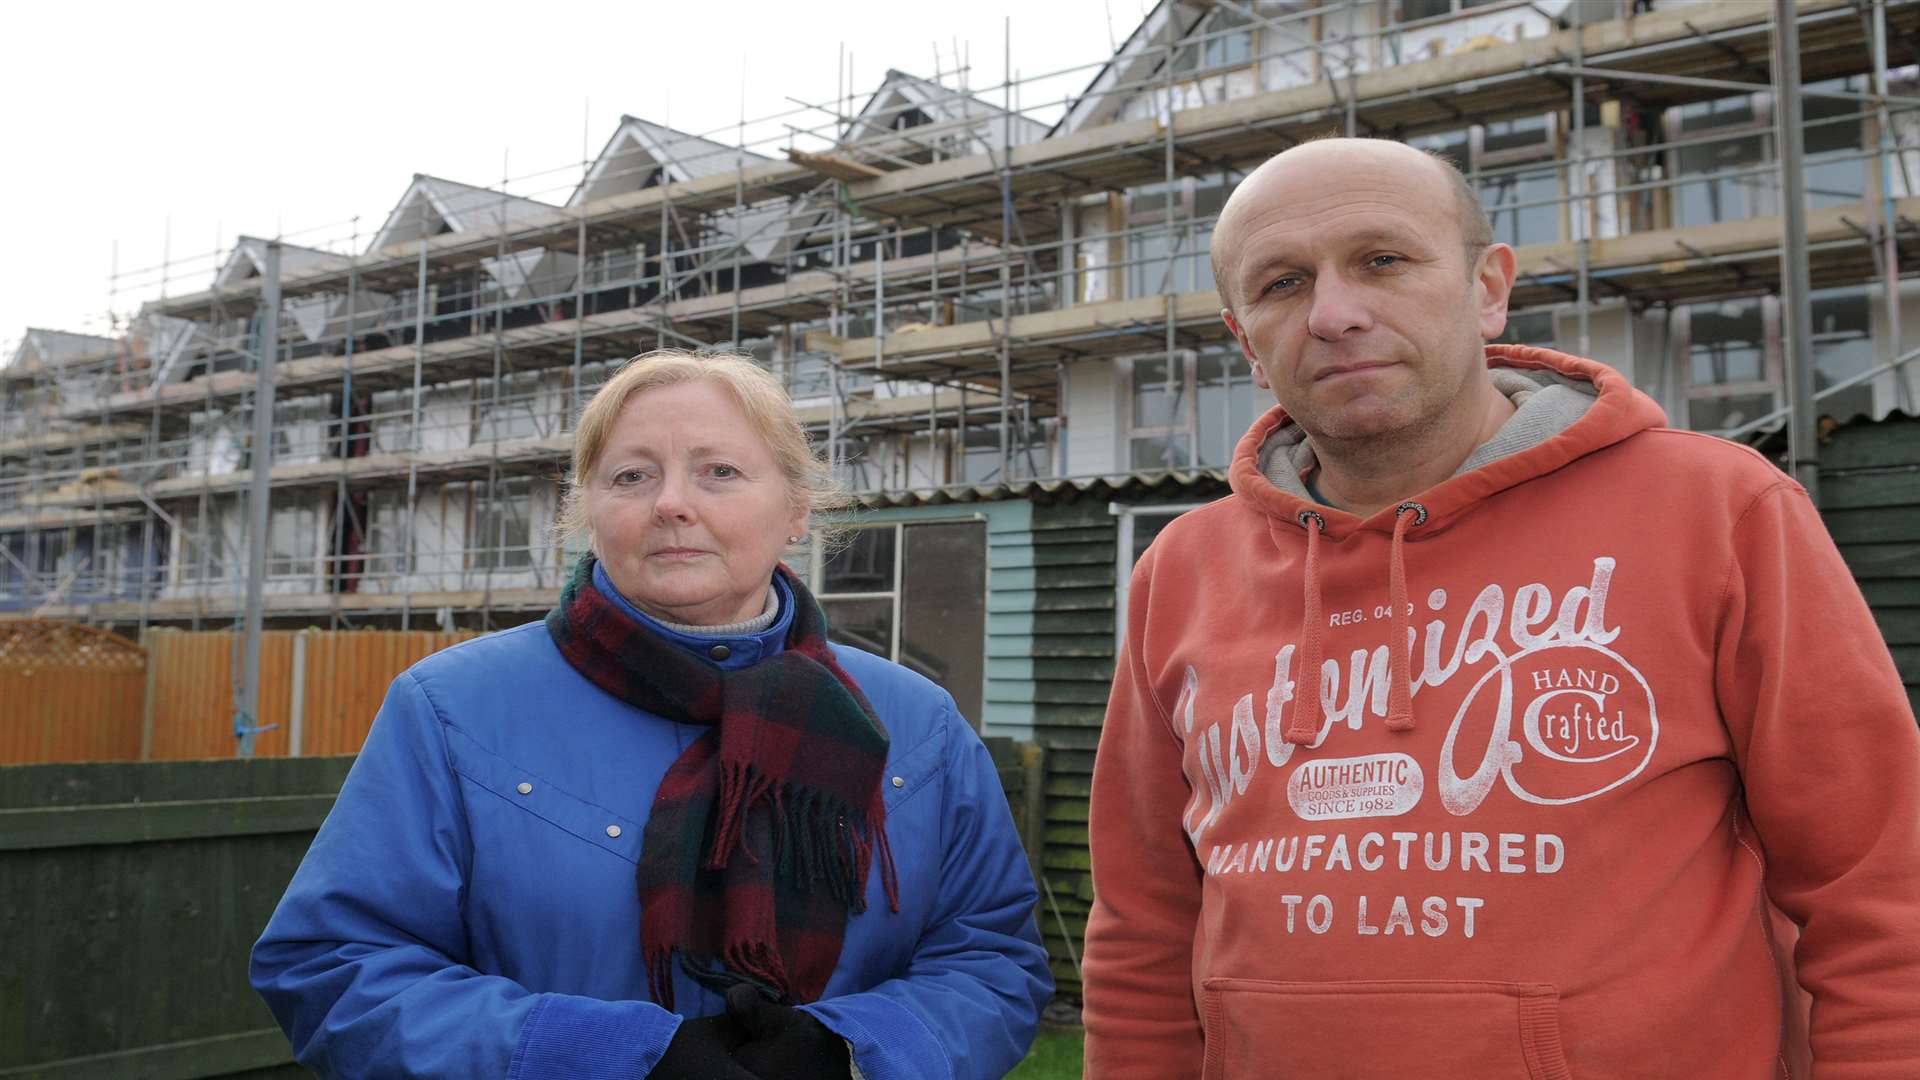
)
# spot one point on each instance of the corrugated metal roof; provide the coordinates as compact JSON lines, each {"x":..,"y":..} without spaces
{"x":1197,"y":483}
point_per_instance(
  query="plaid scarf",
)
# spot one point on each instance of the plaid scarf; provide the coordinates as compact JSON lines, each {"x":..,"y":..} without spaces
{"x":763,"y":831}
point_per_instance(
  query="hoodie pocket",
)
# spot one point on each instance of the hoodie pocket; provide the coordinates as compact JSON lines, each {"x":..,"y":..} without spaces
{"x":1389,"y":1029}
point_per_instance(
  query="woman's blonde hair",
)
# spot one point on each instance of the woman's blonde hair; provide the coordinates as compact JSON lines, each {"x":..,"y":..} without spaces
{"x":759,"y":395}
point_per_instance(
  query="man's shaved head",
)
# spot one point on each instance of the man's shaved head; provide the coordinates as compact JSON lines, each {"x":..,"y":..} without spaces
{"x":1476,"y":230}
{"x":1362,"y":284}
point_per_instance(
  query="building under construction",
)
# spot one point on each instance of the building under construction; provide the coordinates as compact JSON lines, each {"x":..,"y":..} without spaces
{"x":993,"y":306}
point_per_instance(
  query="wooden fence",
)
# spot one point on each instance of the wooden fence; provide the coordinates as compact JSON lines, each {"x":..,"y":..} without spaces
{"x":69,"y":693}
{"x":130,"y":896}
{"x":319,"y":689}
{"x":77,"y":693}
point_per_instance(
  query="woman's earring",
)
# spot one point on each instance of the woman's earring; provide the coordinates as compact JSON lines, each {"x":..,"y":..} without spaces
{"x":793,"y":539}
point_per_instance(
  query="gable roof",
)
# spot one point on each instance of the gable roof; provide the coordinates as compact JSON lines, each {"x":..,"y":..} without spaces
{"x":41,"y":349}
{"x":964,"y":123}
{"x":1141,"y":55}
{"x":640,"y":152}
{"x":432,"y":205}
{"x":249,"y":260}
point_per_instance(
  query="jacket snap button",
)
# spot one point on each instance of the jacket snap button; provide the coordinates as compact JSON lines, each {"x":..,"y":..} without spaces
{"x":524,"y":788}
{"x":899,"y":781}
{"x":719,"y":652}
{"x":613,"y":831}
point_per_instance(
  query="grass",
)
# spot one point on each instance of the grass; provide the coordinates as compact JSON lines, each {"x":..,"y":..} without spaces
{"x":1056,"y":1055}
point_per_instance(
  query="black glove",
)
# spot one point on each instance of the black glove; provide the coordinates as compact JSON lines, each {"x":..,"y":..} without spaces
{"x":784,"y":1043}
{"x":702,"y":1049}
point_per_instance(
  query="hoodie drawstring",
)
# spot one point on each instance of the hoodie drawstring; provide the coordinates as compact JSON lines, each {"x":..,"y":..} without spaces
{"x":1399,"y":624}
{"x":1305,"y":726}
{"x":1306,"y":690}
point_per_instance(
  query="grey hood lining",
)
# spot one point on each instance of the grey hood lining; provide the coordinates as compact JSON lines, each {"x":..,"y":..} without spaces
{"x":1546,"y":403}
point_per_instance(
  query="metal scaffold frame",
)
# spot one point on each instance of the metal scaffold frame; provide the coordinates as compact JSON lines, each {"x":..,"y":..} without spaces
{"x":929,"y":272}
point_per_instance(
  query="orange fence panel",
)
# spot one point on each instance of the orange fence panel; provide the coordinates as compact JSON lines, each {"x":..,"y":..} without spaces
{"x":346,"y":674}
{"x":192,"y":693}
{"x":75,"y":693}
{"x":68,"y":693}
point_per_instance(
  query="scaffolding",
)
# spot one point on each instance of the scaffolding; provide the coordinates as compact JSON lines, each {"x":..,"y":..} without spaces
{"x":959,"y":285}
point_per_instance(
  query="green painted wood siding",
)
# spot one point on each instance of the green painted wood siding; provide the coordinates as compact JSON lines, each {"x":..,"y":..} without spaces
{"x":1070,"y":673}
{"x":1870,"y":498}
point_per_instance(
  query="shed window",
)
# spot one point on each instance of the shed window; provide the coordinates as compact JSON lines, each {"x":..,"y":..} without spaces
{"x":915,"y":593}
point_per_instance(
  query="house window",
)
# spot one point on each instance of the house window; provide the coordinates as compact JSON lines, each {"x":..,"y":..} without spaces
{"x":521,"y":411}
{"x":1719,"y":162}
{"x":1517,"y":174}
{"x":204,"y":554}
{"x":1029,"y":453}
{"x":1221,"y":39}
{"x":915,"y":593}
{"x":618,"y":266}
{"x":16,"y":578}
{"x":300,"y":430}
{"x":1729,"y":362}
{"x":392,"y":420}
{"x":1191,"y":411}
{"x":293,"y":542}
{"x":1843,"y":348}
{"x":810,"y":376}
{"x":1833,"y":140}
{"x":54,"y":548}
{"x":1733,"y":349}
{"x":1176,"y":219}
{"x":502,"y":532}
{"x":1722,"y":163}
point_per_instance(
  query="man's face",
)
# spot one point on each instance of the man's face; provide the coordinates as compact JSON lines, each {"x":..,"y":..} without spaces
{"x":1352,"y":291}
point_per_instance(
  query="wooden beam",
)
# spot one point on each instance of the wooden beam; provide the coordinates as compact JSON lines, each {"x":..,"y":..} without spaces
{"x":834,"y":166}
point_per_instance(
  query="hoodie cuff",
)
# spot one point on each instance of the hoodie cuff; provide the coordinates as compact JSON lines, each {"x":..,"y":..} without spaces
{"x":591,"y":1039}
{"x":889,"y":1042}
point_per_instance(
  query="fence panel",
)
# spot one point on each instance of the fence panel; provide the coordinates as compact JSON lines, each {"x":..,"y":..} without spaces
{"x":192,"y":693}
{"x":130,"y":895}
{"x":69,"y":693}
{"x":346,"y":674}
{"x":339,"y":677}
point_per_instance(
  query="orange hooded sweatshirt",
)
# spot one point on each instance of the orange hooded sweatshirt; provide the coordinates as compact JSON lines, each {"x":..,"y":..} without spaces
{"x":1639,"y":697}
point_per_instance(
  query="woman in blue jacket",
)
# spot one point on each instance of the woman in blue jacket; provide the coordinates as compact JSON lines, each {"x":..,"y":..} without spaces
{"x":669,"y":832}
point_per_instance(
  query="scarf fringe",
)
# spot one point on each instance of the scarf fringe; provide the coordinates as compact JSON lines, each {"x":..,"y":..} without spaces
{"x":759,"y":961}
{"x":819,"y":842}
{"x":741,"y":785}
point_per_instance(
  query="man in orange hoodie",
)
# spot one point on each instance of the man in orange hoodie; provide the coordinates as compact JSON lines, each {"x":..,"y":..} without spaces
{"x":1477,"y":731}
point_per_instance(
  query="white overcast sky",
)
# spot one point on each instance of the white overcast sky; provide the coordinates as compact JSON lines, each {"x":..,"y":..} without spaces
{"x":171,"y":128}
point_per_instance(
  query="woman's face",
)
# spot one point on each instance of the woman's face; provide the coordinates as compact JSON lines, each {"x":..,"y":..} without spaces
{"x":688,"y":508}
